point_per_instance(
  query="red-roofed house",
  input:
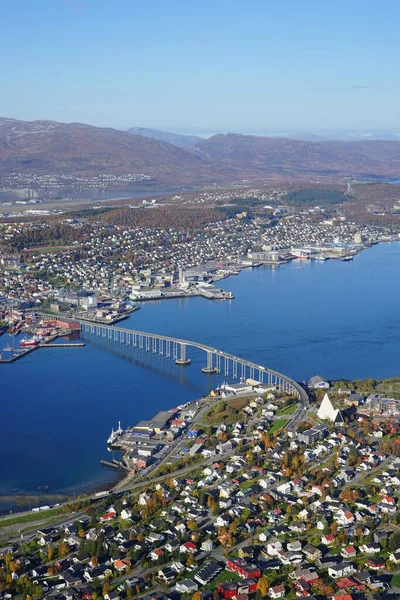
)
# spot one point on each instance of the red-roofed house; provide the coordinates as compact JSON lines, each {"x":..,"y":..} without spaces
{"x":389,"y":500}
{"x":348,"y":552}
{"x":329,"y":539}
{"x":188,"y":547}
{"x":156,"y":554}
{"x":345,"y":518}
{"x":122,"y":565}
{"x":346,"y":582}
{"x":111,"y":514}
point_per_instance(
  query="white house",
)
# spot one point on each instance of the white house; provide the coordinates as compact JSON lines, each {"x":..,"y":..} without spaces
{"x":207,"y":546}
{"x":126,"y":513}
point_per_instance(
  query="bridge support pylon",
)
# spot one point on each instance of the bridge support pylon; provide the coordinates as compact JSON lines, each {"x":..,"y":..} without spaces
{"x":183,"y":361}
{"x":209,"y":369}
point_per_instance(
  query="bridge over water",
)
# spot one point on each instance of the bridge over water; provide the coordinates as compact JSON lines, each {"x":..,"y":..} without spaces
{"x":216,"y":361}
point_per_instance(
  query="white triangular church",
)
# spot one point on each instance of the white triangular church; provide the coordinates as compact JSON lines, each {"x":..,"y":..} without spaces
{"x":328,"y":412}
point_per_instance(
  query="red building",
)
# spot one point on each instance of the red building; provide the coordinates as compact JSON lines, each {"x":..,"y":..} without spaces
{"x":231,"y":589}
{"x":243,"y":568}
{"x":72,"y":325}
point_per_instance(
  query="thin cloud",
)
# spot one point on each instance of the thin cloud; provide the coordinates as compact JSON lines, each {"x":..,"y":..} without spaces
{"x":344,"y":88}
{"x":78,"y":7}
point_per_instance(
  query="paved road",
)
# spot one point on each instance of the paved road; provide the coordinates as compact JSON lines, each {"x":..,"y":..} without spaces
{"x":146,"y":481}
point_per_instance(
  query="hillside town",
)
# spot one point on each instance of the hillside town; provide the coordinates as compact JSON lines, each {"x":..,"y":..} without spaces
{"x":253,"y":510}
{"x":98,"y":265}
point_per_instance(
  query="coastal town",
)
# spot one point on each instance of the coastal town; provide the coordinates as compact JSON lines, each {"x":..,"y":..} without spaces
{"x":244,"y":506}
{"x":199,"y":300}
{"x":96,"y":270}
{"x":250,"y":492}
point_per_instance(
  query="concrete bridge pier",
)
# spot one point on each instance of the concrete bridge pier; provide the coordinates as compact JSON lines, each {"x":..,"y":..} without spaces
{"x":176,"y":349}
{"x":182,"y":360}
{"x":209,"y":369}
{"x":235,"y":369}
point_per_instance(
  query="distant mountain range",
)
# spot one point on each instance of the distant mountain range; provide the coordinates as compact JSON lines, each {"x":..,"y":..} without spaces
{"x":78,"y":149}
{"x":176,"y":139}
{"x":256,"y":157}
{"x":346,"y":137}
{"x":52,"y":147}
{"x":188,"y":141}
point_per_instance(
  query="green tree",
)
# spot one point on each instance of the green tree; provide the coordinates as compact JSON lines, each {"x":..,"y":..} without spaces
{"x":394,"y":541}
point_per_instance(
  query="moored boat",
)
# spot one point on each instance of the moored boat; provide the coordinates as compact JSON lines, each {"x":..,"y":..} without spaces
{"x":28,"y":342}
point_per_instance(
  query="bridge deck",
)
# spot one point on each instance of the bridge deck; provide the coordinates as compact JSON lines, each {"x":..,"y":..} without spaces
{"x":302,"y":394}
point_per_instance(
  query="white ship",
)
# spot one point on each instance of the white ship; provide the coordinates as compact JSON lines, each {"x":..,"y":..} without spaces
{"x":115,"y":434}
{"x":113,"y":437}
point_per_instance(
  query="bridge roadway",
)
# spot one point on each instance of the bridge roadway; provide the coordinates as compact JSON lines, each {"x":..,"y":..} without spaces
{"x":217,"y":360}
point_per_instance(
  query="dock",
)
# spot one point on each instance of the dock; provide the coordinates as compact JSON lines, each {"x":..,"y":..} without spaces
{"x":115,"y":464}
{"x":47,"y":344}
{"x":66,"y":345}
{"x":17,"y":356}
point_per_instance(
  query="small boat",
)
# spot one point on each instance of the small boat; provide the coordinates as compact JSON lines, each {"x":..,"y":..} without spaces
{"x":347,"y":258}
{"x":7,"y":349}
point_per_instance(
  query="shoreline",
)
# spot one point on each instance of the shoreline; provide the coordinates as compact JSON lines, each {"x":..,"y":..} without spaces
{"x":118,"y":476}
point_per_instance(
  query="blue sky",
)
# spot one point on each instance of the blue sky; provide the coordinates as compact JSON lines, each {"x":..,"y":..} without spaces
{"x":203,"y":65}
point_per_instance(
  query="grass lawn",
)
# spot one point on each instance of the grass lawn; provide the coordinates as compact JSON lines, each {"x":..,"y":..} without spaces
{"x":36,"y":516}
{"x":227,"y":411}
{"x":287,"y":411}
{"x":247,"y":484}
{"x":395,"y":580}
{"x":278,"y":424}
{"x":223,"y":577}
{"x":50,"y":249}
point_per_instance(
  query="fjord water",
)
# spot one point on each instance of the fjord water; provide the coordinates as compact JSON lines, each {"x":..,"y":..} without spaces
{"x":337,"y":319}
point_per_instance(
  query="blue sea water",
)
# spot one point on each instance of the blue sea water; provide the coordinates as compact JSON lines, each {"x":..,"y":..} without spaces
{"x":337,"y":319}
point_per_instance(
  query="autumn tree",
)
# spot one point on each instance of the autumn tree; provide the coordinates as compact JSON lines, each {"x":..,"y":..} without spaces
{"x":216,"y":595}
{"x":263,"y":586}
{"x":49,"y":553}
{"x":190,"y":562}
{"x":63,"y":549}
{"x":334,"y":527}
{"x":106,"y":588}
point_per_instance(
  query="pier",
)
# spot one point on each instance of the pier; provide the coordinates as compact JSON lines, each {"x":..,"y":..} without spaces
{"x":66,"y":345}
{"x":16,"y":356}
{"x":177,"y":349}
{"x":19,"y":353}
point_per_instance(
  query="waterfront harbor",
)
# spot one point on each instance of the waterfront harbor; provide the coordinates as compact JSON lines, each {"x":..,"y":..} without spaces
{"x":127,"y":383}
{"x":10,"y":354}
